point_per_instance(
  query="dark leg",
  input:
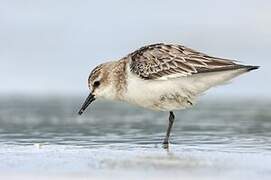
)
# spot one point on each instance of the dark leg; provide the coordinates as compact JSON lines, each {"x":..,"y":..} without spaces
{"x":171,"y":120}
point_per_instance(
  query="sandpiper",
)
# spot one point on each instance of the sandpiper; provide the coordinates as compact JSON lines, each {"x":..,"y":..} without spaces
{"x":161,"y":77}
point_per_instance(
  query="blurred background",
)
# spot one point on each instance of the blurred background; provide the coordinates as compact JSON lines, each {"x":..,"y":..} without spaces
{"x":50,"y":47}
{"x":47,"y":50}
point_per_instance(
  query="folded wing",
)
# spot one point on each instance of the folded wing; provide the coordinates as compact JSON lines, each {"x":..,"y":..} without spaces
{"x":165,"y":61}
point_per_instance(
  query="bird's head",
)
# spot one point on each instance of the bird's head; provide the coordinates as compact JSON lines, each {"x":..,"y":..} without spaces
{"x":100,"y":85}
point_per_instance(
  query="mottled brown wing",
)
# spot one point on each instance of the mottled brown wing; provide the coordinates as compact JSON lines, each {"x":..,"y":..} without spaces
{"x":162,"y":60}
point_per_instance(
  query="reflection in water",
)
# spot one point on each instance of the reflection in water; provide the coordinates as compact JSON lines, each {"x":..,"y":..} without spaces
{"x":211,"y":136}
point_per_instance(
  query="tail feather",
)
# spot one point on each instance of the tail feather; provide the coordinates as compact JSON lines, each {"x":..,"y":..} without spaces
{"x":250,"y":68}
{"x":204,"y":81}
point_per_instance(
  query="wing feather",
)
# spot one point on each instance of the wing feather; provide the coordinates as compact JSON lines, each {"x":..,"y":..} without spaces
{"x":161,"y":60}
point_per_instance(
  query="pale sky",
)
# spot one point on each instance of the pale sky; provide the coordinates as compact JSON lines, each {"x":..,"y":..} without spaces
{"x":49,"y":47}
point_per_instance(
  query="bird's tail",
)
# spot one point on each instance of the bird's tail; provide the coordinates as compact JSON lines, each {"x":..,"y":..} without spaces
{"x":251,"y":68}
{"x":204,"y":81}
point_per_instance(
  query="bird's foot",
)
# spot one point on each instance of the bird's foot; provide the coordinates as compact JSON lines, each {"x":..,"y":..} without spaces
{"x":165,"y":144}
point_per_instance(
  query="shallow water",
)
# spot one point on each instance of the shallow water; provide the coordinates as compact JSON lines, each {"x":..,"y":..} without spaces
{"x":43,"y":136}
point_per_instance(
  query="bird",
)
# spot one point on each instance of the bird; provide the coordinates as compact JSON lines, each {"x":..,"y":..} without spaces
{"x":161,"y":77}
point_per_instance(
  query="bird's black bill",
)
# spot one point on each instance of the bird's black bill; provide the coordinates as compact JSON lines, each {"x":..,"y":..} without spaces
{"x":87,"y":102}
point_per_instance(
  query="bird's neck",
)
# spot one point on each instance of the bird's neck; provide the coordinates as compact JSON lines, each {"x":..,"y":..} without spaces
{"x":119,"y":78}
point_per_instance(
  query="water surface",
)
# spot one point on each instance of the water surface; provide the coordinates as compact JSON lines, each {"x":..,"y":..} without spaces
{"x":218,"y":138}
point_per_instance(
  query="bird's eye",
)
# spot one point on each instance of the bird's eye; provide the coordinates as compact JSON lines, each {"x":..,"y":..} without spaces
{"x":96,"y":84}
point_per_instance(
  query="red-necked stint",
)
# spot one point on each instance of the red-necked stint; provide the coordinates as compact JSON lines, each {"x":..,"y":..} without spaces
{"x":161,"y":77}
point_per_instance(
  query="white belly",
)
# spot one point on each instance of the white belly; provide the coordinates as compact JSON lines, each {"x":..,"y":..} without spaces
{"x":158,"y":95}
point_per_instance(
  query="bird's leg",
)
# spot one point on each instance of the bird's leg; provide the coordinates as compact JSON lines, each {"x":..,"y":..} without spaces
{"x":171,"y":121}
